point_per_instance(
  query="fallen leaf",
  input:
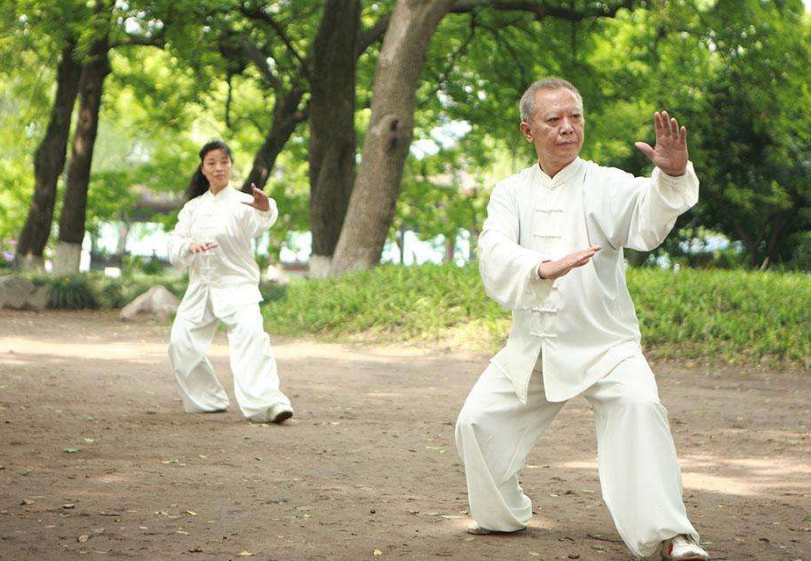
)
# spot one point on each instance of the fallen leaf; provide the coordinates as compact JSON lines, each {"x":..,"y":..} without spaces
{"x":89,"y":441}
{"x":70,"y":450}
{"x":377,"y":553}
{"x":83,"y":538}
{"x":191,"y":513}
{"x":68,"y":506}
{"x":182,"y":532}
{"x":245,"y":554}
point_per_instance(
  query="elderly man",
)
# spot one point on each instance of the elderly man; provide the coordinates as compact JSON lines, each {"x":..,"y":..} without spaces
{"x":551,"y":251}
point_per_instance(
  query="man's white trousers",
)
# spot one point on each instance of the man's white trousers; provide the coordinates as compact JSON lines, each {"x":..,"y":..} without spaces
{"x":639,"y":472}
{"x":253,"y":365}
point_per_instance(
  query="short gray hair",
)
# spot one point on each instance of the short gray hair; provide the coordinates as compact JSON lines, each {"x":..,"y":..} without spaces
{"x":527,"y":105}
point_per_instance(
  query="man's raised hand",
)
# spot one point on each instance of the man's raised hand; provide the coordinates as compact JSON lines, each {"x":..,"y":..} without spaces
{"x":670,"y":154}
{"x":550,"y":270}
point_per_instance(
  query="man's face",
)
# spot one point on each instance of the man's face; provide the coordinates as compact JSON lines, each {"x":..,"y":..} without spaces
{"x":556,"y":128}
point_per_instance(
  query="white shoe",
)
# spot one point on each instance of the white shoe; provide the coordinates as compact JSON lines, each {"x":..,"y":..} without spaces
{"x":475,"y":529}
{"x":683,"y":548}
{"x":279,"y":413}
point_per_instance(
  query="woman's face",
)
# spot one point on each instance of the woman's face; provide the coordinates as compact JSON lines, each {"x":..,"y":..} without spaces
{"x":216,"y":167}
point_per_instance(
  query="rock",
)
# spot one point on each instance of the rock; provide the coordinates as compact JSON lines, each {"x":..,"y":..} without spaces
{"x":38,"y":300}
{"x":276,"y":274}
{"x":156,"y":303}
{"x":15,"y":292}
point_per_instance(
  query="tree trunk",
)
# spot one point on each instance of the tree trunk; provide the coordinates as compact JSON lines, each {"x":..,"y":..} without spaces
{"x":473,"y":242}
{"x":74,"y":208}
{"x":388,"y":138}
{"x":450,"y":249}
{"x":49,"y":161}
{"x":286,"y":115}
{"x":332,"y":128}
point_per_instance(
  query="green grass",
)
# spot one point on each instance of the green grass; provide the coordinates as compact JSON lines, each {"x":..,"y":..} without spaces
{"x":736,"y":317}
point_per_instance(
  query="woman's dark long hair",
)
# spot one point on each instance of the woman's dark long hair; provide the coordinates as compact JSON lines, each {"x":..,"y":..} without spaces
{"x":199,"y":184}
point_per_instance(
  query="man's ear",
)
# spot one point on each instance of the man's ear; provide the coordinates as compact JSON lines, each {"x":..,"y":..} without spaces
{"x":525,"y":130}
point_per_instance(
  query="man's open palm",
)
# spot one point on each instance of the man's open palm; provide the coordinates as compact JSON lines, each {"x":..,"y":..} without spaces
{"x":670,"y":154}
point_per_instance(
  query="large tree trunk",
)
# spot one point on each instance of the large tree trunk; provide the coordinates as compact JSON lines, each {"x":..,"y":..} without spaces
{"x":49,"y":161}
{"x":332,"y":128}
{"x":371,"y":207}
{"x":286,"y":115}
{"x":74,"y":208}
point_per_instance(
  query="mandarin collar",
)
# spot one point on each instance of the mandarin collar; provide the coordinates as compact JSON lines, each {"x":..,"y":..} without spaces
{"x":221,"y":196}
{"x":562,"y":176}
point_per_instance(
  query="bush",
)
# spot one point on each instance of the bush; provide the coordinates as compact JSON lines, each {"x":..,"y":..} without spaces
{"x":735,"y":316}
{"x":75,"y":292}
{"x":272,"y":291}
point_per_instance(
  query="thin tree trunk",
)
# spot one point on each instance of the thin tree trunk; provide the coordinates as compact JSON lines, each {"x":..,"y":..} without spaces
{"x":473,"y":242}
{"x":49,"y":161}
{"x":74,"y":208}
{"x":450,"y":249}
{"x":388,"y":138}
{"x":332,"y":128}
{"x":286,"y":115}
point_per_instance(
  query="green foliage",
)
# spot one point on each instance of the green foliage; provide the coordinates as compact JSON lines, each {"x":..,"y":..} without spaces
{"x":397,"y":302}
{"x":93,"y":290}
{"x":737,"y":317}
{"x":75,"y":292}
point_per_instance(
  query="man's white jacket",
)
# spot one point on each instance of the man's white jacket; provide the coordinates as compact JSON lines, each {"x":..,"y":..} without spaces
{"x":582,"y":324}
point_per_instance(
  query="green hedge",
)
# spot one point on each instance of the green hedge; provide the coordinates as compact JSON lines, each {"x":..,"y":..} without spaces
{"x":738,"y":317}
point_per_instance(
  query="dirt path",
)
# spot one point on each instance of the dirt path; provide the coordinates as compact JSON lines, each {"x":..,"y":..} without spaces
{"x":367,"y":464}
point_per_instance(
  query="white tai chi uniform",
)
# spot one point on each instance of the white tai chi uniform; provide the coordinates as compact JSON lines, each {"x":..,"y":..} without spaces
{"x":224,"y":286}
{"x":576,"y":335}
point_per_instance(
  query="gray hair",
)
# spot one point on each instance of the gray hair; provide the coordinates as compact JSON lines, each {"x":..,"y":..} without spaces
{"x":527,"y":105}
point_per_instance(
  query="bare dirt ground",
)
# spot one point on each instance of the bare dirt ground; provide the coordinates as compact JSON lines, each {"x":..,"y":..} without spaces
{"x":98,"y":460}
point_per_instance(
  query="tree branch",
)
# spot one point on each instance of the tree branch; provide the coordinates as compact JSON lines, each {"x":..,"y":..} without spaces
{"x":369,"y":36}
{"x":157,"y":41}
{"x":542,"y":9}
{"x":260,"y":61}
{"x":258,"y":14}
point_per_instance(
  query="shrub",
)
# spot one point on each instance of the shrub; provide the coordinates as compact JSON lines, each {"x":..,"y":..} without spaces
{"x":74,"y":292}
{"x":735,"y":316}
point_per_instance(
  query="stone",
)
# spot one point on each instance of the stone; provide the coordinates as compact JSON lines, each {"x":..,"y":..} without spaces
{"x":157,"y":303}
{"x":15,"y":291}
{"x":38,"y":300}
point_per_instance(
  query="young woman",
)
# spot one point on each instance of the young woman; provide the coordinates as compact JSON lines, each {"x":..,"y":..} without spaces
{"x":213,"y":238}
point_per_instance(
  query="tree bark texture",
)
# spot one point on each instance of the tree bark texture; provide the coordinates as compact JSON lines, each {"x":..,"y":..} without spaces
{"x":286,"y":116}
{"x":49,"y":162}
{"x":371,"y":207}
{"x":74,"y":208}
{"x":332,"y":125}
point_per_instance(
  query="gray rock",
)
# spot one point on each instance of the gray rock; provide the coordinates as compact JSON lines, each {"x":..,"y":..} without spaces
{"x":38,"y":300}
{"x":15,"y":291}
{"x":156,"y":303}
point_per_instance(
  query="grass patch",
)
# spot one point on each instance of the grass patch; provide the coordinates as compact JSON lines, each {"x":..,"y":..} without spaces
{"x":737,"y":317}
